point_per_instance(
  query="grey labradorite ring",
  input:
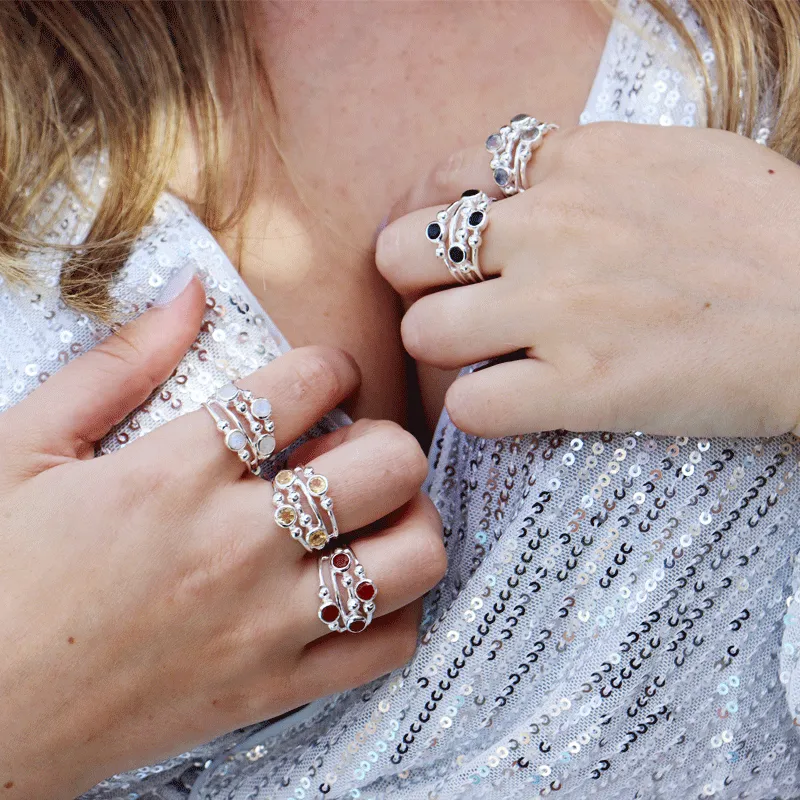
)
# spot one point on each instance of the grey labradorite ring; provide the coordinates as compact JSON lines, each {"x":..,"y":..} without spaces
{"x":511,"y":149}
{"x":245,"y":423}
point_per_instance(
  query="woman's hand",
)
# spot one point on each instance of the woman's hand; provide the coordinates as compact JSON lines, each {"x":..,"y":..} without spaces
{"x":651,"y":276}
{"x":150,"y":602}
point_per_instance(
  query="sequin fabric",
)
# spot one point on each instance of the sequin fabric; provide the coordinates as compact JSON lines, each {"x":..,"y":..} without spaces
{"x":620,"y":614}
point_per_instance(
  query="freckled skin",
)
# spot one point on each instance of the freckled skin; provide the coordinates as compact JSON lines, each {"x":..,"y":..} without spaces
{"x":370,"y":95}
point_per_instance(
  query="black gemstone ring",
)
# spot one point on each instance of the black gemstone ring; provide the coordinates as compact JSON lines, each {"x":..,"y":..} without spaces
{"x":457,"y":234}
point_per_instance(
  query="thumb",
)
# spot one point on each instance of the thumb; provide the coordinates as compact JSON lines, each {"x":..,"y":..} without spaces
{"x":79,"y":404}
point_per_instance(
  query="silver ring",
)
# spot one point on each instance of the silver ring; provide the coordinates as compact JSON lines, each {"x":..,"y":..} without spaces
{"x":347,"y":595}
{"x":246,"y":423}
{"x":302,"y":506}
{"x":511,"y":149}
{"x":457,"y":234}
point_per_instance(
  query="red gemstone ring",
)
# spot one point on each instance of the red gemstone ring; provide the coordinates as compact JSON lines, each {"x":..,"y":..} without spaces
{"x":347,"y":595}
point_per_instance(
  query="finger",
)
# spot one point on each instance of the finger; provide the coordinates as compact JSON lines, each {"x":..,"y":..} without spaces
{"x":373,"y":474}
{"x":471,"y":168}
{"x":302,"y":386}
{"x":404,"y":561}
{"x":314,"y":448}
{"x":465,"y":169}
{"x":461,"y":326}
{"x":79,"y":404}
{"x":521,"y":397}
{"x":341,"y":661}
{"x":407,"y":258}
{"x":375,"y":470}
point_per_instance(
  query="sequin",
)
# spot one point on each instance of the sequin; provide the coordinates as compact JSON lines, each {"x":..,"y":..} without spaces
{"x":616,"y":618}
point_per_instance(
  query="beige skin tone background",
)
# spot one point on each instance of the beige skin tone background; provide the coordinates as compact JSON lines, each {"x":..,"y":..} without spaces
{"x":369,"y":96}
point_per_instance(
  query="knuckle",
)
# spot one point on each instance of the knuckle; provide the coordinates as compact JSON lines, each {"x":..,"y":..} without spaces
{"x":412,"y":331}
{"x":405,"y":644}
{"x":402,"y":451}
{"x":318,"y":374}
{"x":433,"y":563}
{"x":123,"y":353}
{"x":445,"y":174}
{"x":462,"y":407}
{"x":588,"y":143}
{"x":361,"y":427}
{"x":387,"y":251}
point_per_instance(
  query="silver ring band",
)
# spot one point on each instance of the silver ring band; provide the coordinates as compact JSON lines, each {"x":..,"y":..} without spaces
{"x":303,"y":507}
{"x":347,"y":595}
{"x":457,"y":233}
{"x":246,"y":423}
{"x":511,"y":149}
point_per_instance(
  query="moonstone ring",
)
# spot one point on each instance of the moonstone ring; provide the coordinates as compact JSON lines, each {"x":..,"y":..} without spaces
{"x":511,"y":149}
{"x":303,"y":507}
{"x":456,"y":232}
{"x":246,"y":423}
{"x":347,"y":595}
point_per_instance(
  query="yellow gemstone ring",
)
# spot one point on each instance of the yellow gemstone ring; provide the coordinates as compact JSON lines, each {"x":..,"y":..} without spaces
{"x":303,"y":507}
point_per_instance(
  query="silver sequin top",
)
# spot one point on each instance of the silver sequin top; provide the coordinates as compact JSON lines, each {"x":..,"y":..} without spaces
{"x":619,"y":615}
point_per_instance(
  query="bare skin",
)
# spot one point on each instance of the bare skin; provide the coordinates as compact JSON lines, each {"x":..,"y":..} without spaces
{"x":369,"y":96}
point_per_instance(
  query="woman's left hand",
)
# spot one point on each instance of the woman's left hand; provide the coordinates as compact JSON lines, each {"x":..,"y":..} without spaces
{"x":650,"y":275}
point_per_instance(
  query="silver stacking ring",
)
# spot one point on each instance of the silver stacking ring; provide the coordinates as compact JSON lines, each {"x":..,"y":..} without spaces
{"x":246,"y":423}
{"x":457,"y":235}
{"x":511,"y":149}
{"x":302,"y":505}
{"x":347,"y":595}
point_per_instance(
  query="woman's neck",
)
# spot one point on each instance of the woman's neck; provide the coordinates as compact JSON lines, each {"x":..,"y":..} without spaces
{"x":369,"y":95}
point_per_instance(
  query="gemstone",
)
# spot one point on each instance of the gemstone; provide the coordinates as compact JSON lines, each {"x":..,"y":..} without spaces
{"x":266,"y":446}
{"x":329,"y":613}
{"x":434,"y":231}
{"x":356,"y":625}
{"x":520,"y":117}
{"x":476,"y":218}
{"x":284,"y":478}
{"x":456,"y":254}
{"x":317,"y":538}
{"x":285,"y":516}
{"x":365,"y":590}
{"x":236,"y":440}
{"x":530,"y":134}
{"x":501,"y":176}
{"x":317,"y":485}
{"x":261,"y":408}
{"x":227,"y":393}
{"x":470,"y":193}
{"x":494,"y":142}
{"x":341,"y":561}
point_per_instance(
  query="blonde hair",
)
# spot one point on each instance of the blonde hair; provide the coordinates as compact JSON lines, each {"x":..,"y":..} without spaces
{"x":127,"y":78}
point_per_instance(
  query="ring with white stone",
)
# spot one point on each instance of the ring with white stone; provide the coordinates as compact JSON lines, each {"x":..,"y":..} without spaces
{"x":246,"y":422}
{"x":457,"y":233}
{"x":347,"y":595}
{"x":302,"y":506}
{"x":511,"y":149}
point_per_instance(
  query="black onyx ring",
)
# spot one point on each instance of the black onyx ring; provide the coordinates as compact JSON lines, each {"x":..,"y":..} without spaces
{"x":457,"y":235}
{"x":511,"y":149}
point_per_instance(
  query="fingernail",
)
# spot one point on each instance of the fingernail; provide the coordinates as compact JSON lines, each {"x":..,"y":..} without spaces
{"x":175,"y":286}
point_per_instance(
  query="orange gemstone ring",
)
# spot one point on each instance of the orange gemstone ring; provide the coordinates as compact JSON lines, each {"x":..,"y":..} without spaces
{"x":302,"y":506}
{"x":347,"y":595}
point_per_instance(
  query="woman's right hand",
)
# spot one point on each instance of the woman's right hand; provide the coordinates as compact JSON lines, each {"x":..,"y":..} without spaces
{"x":150,"y":602}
